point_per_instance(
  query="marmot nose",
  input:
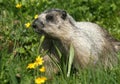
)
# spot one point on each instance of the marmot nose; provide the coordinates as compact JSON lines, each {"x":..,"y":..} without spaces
{"x":37,"y":23}
{"x":34,"y":25}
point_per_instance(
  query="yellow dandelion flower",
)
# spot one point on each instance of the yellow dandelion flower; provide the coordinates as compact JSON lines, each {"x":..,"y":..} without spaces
{"x":40,"y":80}
{"x":36,"y":16}
{"x":18,"y":5}
{"x":42,"y":69}
{"x":27,"y":25}
{"x":31,"y":66}
{"x":39,"y":61}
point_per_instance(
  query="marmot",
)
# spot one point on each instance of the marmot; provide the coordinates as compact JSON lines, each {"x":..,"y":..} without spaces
{"x":91,"y":43}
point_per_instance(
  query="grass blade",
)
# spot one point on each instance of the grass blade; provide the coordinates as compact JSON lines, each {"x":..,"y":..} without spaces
{"x":71,"y":57}
{"x":41,"y":41}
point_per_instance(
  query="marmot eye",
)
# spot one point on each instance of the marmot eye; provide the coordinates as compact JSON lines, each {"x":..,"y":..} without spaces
{"x":64,"y":15}
{"x":49,"y":17}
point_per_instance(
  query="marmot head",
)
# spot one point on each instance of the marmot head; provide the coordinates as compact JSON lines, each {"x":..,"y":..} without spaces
{"x":54,"y":22}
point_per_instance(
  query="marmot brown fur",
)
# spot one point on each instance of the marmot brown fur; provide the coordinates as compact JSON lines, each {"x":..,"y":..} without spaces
{"x":91,"y":43}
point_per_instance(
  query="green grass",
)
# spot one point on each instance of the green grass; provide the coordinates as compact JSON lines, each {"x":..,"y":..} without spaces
{"x":19,"y":45}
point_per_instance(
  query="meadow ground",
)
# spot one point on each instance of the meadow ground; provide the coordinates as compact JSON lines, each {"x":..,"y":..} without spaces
{"x":19,"y":44}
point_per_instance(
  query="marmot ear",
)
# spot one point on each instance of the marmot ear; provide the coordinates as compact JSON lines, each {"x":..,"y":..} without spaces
{"x":64,"y":15}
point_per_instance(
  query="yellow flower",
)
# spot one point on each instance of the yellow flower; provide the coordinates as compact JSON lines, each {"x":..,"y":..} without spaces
{"x":27,"y":25}
{"x":39,"y":61}
{"x":31,"y":65}
{"x":42,"y":69}
{"x":36,"y":16}
{"x":18,"y":5}
{"x":40,"y":80}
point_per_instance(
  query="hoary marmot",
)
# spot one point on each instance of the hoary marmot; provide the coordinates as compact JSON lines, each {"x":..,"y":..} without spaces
{"x":91,"y":43}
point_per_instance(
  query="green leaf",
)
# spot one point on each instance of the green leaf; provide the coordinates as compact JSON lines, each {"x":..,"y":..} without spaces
{"x":12,"y":74}
{"x":58,"y":51}
{"x":20,"y":50}
{"x":71,"y":57}
{"x":41,"y":40}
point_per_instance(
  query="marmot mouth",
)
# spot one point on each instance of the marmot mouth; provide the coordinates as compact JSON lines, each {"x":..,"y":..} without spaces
{"x":39,"y":31}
